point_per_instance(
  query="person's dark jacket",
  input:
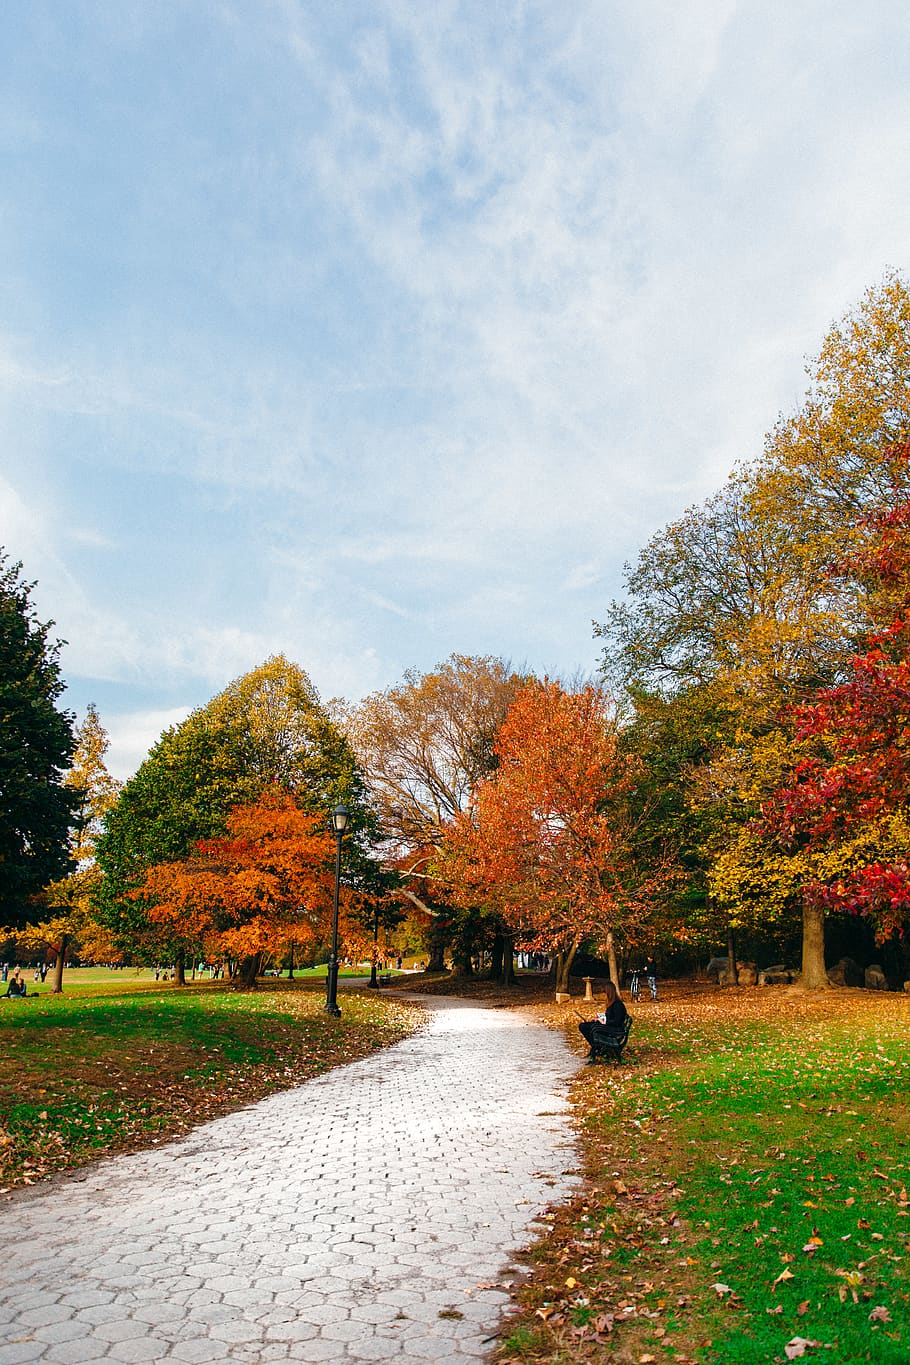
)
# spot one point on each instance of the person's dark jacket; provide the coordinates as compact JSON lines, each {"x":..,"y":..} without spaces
{"x":615,"y":1017}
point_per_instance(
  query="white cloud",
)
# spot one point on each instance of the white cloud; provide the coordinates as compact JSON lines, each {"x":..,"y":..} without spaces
{"x":391,"y":330}
{"x":131,"y":735}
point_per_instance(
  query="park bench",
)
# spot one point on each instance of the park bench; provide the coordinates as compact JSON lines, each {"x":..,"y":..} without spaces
{"x":386,"y":979}
{"x":607,"y":1043}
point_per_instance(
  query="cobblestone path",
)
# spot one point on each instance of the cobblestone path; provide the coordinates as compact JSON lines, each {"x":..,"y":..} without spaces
{"x":363,"y":1216}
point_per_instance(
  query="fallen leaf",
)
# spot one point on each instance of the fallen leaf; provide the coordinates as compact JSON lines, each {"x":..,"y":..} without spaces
{"x":721,"y":1289}
{"x":785,"y":1274}
{"x":802,"y":1308}
{"x":571,"y":1282}
{"x":798,"y":1346}
{"x":880,"y":1314}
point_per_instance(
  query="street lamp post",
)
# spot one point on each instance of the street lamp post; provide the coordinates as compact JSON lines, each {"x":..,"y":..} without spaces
{"x":374,"y":983}
{"x":339,"y":823}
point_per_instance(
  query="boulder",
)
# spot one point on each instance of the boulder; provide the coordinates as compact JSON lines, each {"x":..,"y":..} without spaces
{"x":876,"y":979}
{"x":748,"y":974}
{"x":907,"y":987}
{"x":846,"y":973}
{"x":777,"y":976}
{"x":716,"y":966}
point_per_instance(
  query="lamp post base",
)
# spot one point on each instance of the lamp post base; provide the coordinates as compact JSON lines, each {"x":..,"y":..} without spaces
{"x":333,"y":1010}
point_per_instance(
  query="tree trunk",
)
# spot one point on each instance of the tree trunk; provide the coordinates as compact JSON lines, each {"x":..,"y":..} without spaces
{"x":462,"y":967}
{"x":291,"y":964}
{"x":814,"y":977}
{"x":508,"y":961}
{"x":436,"y":961}
{"x":496,"y":958}
{"x":180,"y":969}
{"x":731,"y":956}
{"x":611,"y":958}
{"x":57,"y":987}
{"x":564,"y":966}
{"x":247,"y":972}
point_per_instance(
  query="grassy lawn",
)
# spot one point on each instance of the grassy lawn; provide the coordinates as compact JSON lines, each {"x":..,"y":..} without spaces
{"x":746,"y":1197}
{"x":128,"y":978}
{"x":120,"y":1062}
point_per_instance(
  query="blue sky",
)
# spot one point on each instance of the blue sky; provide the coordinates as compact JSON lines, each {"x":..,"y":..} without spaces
{"x":370,"y":332}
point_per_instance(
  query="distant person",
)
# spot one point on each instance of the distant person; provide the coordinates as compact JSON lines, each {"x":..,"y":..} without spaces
{"x":651,"y":976}
{"x":611,"y":1020}
{"x":16,"y":987}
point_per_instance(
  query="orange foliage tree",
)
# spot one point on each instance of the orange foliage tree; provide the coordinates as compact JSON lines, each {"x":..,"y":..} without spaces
{"x":264,"y":886}
{"x":551,"y":838}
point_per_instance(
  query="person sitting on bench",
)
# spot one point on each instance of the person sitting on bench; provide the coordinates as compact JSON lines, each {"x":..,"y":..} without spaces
{"x":613,"y":1019}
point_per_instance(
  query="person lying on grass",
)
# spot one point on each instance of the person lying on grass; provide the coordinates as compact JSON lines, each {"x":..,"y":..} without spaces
{"x":613,"y":1019}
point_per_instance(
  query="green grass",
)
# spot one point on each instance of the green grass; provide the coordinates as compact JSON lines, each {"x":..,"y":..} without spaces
{"x":792,"y":1146}
{"x":748,"y":1185}
{"x":98,"y":1070}
{"x":129,"y":978}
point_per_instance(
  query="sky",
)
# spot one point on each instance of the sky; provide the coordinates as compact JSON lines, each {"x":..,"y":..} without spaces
{"x":368,"y":333}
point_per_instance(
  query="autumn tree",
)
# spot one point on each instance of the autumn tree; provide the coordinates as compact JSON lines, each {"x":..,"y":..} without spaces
{"x":267,"y":882}
{"x":69,"y":919}
{"x":548,"y":837}
{"x":740,"y":602}
{"x":842,"y":818}
{"x":423,"y":746}
{"x":36,"y":743}
{"x":267,"y":728}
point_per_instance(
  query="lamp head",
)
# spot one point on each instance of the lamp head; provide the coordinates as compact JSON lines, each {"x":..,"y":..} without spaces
{"x":340,"y":819}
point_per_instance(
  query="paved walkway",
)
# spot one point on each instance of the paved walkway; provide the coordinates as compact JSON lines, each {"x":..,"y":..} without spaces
{"x":359,"y":1217}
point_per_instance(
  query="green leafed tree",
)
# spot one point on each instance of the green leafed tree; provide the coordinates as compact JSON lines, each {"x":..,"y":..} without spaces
{"x":266,"y":729}
{"x":36,"y":744}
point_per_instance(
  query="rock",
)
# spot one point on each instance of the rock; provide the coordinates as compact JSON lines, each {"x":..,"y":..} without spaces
{"x":777,"y":976}
{"x":748,"y":974}
{"x":846,"y":973}
{"x":716,"y":966}
{"x":907,"y":986}
{"x":876,"y":979}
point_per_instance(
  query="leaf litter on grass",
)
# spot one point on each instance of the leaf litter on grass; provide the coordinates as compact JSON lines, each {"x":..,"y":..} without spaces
{"x":729,"y":1172}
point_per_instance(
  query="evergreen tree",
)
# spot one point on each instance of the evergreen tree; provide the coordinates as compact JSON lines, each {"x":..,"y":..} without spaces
{"x":36,"y":744}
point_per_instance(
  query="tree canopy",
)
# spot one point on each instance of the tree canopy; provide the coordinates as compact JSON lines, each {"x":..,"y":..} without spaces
{"x":268,"y":729}
{"x":36,"y":744}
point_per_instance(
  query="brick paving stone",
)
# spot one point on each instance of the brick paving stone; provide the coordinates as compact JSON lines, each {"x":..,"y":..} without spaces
{"x":18,"y":1352}
{"x":332,"y":1222}
{"x":72,"y":1353}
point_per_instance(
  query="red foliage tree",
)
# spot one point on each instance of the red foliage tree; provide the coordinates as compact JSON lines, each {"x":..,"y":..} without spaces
{"x":268,"y":884}
{"x":548,"y":841}
{"x":847,"y":801}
